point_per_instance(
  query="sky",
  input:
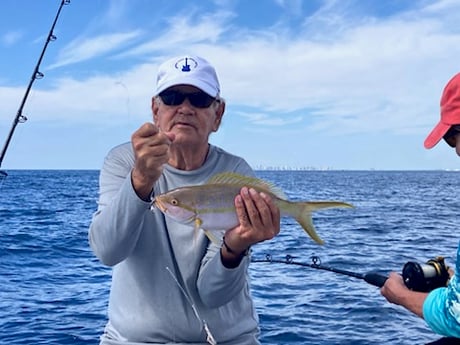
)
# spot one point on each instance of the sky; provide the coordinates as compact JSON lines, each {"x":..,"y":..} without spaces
{"x":325,"y":84}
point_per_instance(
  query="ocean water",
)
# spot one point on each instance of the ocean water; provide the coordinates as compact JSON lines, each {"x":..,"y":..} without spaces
{"x":54,"y":291}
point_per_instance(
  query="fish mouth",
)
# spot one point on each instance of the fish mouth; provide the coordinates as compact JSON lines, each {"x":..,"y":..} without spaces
{"x":158,"y":204}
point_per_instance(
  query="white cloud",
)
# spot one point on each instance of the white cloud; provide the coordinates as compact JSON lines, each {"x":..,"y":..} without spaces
{"x":83,"y":49}
{"x":261,"y":119}
{"x":184,"y":32}
{"x":293,"y":6}
{"x":375,"y":70}
{"x":11,"y":37}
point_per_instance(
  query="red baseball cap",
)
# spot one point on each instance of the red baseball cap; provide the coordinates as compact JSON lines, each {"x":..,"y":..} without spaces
{"x":450,"y":112}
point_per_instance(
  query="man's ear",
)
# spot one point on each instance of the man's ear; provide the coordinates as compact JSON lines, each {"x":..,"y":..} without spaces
{"x":154,"y":108}
{"x":219,"y":115}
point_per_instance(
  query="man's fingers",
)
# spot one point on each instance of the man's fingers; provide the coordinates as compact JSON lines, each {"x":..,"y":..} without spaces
{"x":272,"y":209}
{"x":241,"y":211}
{"x":150,"y":128}
{"x":256,"y":212}
{"x":170,"y":135}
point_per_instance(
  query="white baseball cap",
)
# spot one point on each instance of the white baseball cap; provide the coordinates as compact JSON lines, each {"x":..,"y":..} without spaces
{"x":188,"y":70}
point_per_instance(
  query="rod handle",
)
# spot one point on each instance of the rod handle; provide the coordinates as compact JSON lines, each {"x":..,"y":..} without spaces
{"x":375,"y":279}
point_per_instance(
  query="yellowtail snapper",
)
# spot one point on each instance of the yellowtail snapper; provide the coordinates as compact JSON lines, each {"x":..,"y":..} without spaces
{"x":211,"y":206}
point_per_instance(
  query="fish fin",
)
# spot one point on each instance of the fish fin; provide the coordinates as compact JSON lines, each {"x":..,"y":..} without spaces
{"x":318,"y":205}
{"x":196,"y":229}
{"x":306,"y":222}
{"x":248,"y":181}
{"x":211,"y":236}
{"x":304,"y":215}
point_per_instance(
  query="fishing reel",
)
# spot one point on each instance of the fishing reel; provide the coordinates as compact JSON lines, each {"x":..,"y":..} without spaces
{"x":426,"y":277}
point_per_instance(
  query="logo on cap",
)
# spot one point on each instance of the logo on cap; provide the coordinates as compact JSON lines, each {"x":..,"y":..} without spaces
{"x":187,"y":64}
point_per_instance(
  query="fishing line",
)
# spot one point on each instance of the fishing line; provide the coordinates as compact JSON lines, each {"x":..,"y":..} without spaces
{"x":20,"y":118}
{"x":209,"y":337}
{"x":128,"y":99}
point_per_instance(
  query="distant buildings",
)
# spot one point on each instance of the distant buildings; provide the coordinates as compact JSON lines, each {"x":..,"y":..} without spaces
{"x":290,"y":168}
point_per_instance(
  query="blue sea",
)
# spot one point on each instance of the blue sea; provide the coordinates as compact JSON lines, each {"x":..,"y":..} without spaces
{"x":54,"y":291}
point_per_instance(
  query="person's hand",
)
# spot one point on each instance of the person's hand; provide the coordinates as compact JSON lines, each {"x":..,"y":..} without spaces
{"x":259,"y":220}
{"x":394,"y":288}
{"x":151,"y":151}
{"x":395,"y":291}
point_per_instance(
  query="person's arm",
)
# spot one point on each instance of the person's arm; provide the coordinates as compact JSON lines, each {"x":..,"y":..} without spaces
{"x":217,"y":284}
{"x":116,"y":223}
{"x":225,"y":274}
{"x":441,"y":309}
{"x":232,"y":257}
{"x":126,"y":183}
{"x":395,"y":291}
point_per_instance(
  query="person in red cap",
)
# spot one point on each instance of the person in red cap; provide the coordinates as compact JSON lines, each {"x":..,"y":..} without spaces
{"x":448,"y":127}
{"x":440,"y":308}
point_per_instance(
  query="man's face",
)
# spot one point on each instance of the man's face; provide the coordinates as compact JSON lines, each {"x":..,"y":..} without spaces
{"x":191,"y":121}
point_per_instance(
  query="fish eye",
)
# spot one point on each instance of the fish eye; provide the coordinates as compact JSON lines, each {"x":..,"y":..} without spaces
{"x":174,"y":202}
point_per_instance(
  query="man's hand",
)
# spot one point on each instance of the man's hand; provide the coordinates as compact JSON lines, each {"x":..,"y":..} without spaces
{"x":395,"y":291}
{"x":151,"y":151}
{"x":259,"y":221}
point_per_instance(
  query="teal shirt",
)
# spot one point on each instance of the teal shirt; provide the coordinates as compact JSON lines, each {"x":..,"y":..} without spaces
{"x":441,"y":309}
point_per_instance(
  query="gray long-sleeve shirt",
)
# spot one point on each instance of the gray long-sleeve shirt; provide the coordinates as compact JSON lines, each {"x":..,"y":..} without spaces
{"x":146,"y":304}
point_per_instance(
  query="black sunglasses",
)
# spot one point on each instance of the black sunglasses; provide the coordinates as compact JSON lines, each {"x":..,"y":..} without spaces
{"x":452,"y":132}
{"x":198,"y":99}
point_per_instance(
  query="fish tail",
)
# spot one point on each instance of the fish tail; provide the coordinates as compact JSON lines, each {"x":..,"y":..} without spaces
{"x":303,"y":215}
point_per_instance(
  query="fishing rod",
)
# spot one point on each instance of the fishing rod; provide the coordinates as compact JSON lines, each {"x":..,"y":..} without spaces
{"x":20,"y":118}
{"x":418,"y":277}
{"x":370,"y":277}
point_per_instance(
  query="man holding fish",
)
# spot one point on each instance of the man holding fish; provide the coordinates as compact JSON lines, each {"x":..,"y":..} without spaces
{"x":173,"y":283}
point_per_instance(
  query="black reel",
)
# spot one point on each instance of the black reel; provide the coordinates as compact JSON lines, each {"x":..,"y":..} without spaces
{"x":426,"y":277}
